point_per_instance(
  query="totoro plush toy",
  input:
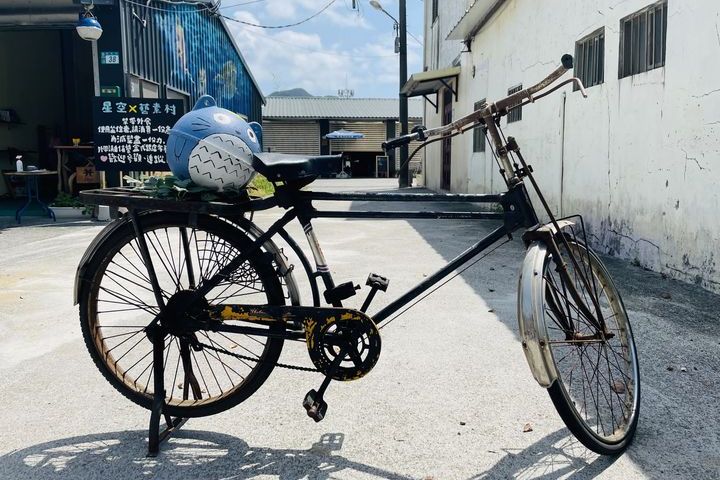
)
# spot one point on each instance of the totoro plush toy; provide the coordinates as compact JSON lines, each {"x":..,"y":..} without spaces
{"x":213,"y":147}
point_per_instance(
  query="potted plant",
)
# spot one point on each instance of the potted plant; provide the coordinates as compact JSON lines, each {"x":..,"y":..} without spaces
{"x":67,"y":206}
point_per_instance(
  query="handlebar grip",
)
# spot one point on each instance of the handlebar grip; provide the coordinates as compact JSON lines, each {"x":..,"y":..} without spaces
{"x":399,"y":141}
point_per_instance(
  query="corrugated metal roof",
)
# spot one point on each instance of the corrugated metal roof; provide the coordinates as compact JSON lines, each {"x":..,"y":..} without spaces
{"x":339,"y":108}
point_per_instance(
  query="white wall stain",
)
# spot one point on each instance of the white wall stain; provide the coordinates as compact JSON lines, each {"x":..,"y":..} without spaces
{"x":641,"y":153}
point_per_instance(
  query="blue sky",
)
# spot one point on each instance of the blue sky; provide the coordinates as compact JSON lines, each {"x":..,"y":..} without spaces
{"x":341,"y":48}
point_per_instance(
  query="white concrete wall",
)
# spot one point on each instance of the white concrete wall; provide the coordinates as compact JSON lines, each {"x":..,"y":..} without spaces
{"x":641,"y":154}
{"x":440,"y":53}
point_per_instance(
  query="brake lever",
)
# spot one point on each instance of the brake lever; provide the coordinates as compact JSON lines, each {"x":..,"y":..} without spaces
{"x":580,"y":86}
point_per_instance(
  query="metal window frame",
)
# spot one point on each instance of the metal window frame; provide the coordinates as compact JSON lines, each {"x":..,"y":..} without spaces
{"x":514,"y":115}
{"x":590,"y":62}
{"x":187,"y":97}
{"x":641,"y":49}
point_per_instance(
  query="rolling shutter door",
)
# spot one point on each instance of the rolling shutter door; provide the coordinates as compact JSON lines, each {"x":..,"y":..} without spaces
{"x":374,"y":137}
{"x":291,"y":137}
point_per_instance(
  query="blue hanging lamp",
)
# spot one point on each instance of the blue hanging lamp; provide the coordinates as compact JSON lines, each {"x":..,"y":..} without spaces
{"x":88,"y":26}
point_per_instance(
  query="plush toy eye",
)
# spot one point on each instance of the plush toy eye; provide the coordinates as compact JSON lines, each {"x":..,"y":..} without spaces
{"x":251,"y":134}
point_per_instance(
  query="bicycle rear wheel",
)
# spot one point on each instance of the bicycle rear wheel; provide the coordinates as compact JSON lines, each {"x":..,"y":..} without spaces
{"x":597,"y":390}
{"x":117,"y":302}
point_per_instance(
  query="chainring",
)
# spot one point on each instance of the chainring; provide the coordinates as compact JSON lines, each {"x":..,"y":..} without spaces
{"x":351,"y":330}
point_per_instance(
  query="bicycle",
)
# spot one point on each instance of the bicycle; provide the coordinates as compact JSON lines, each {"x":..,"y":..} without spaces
{"x":194,"y":298}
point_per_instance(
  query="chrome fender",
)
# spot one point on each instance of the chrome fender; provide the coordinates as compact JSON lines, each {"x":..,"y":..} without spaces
{"x":531,"y":319}
{"x":285,"y":270}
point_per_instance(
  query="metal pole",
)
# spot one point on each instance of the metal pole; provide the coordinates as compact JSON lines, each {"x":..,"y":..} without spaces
{"x":404,"y":170}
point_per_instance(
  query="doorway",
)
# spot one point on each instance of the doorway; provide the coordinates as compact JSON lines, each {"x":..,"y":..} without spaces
{"x":446,"y":153}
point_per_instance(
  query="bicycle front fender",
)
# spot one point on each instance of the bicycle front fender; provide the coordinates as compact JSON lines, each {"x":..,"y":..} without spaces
{"x":531,"y":320}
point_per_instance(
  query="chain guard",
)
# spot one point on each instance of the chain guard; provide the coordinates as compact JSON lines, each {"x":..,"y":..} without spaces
{"x":343,"y":328}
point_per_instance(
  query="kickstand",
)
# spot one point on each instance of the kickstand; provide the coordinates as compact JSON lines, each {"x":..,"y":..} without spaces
{"x":155,"y":436}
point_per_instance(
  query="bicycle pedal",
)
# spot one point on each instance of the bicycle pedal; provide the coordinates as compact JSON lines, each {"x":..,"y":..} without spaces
{"x":315,"y":406}
{"x":377,"y":282}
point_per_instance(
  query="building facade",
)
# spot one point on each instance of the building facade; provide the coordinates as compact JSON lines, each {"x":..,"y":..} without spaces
{"x":156,"y":49}
{"x":639,"y":158}
{"x":299,"y":125}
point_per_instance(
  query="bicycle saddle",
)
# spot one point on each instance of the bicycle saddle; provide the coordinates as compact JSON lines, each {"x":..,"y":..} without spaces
{"x":280,"y":167}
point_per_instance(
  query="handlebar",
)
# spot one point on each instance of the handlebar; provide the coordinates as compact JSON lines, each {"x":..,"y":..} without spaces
{"x":517,"y":98}
{"x":500,"y":107}
{"x":400,"y":141}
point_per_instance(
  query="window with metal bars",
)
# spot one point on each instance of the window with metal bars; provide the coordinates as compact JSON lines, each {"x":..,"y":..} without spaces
{"x":515,"y":115}
{"x":643,"y":38}
{"x":479,"y":131}
{"x":590,"y":58}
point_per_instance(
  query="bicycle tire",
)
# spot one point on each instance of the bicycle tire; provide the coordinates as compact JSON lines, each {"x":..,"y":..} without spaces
{"x":216,"y":242}
{"x":612,"y":384}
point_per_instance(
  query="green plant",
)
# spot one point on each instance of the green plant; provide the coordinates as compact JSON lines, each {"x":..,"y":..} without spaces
{"x":66,"y":200}
{"x":261,"y":186}
{"x":171,"y":187}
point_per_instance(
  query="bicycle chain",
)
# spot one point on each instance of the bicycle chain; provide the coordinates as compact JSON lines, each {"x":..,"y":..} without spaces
{"x":256,"y":360}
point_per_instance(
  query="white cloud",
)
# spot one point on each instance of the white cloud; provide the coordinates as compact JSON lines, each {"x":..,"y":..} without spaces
{"x":288,"y":58}
{"x":337,"y":14}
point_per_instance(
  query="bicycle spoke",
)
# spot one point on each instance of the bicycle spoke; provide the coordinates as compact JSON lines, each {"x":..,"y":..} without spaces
{"x":124,"y":301}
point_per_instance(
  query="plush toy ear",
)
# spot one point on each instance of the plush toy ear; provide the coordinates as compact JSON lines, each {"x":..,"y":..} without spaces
{"x":257,"y":128}
{"x":204,"y":102}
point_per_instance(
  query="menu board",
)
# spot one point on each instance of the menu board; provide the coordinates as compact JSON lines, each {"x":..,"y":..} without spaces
{"x":130,"y":134}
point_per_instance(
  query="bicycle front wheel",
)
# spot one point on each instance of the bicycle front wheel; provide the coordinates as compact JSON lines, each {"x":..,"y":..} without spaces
{"x":597,"y":390}
{"x":117,"y":303}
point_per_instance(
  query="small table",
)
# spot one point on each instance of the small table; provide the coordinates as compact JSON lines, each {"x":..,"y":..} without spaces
{"x":61,"y":152}
{"x":31,"y":186}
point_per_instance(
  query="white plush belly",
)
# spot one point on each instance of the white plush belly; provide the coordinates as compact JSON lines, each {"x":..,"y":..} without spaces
{"x":221,"y":162}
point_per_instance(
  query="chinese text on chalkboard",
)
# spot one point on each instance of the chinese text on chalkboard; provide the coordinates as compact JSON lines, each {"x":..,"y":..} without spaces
{"x":131,"y":133}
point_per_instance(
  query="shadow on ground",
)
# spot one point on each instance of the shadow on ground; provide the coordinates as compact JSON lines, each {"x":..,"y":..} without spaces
{"x":188,"y":454}
{"x":554,"y":456}
{"x":676,"y":331}
{"x":209,"y":455}
{"x":37,"y":222}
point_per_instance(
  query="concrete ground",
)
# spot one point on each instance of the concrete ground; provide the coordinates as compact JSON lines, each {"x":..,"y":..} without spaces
{"x":449,"y":398}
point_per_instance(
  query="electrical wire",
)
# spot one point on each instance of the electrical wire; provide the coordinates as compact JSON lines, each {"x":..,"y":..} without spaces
{"x":202,"y":7}
{"x":240,"y":4}
{"x":322,"y":52}
{"x":295,"y":24}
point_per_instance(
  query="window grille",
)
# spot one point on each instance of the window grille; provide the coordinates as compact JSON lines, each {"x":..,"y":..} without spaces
{"x":515,"y":114}
{"x":479,"y":131}
{"x":642,"y":40}
{"x":590,"y":59}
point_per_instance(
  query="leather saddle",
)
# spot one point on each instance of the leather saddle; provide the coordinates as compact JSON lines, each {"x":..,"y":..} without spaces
{"x":280,"y":167}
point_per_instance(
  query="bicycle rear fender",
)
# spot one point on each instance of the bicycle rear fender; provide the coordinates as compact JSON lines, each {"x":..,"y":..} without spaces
{"x":90,"y":253}
{"x":530,"y":307}
{"x":244,"y":224}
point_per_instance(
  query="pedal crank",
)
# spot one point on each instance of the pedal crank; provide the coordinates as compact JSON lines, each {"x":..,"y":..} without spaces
{"x":344,"y":344}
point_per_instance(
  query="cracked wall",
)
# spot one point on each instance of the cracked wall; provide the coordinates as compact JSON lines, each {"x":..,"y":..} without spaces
{"x":639,"y":158}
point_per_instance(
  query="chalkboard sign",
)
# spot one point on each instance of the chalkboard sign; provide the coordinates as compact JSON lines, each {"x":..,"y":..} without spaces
{"x":130,"y":133}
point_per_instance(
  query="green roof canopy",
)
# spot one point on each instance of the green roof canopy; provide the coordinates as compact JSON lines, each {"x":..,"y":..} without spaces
{"x":428,"y":82}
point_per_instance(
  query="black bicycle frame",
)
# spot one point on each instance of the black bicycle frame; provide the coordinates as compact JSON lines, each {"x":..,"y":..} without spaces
{"x":517,"y":212}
